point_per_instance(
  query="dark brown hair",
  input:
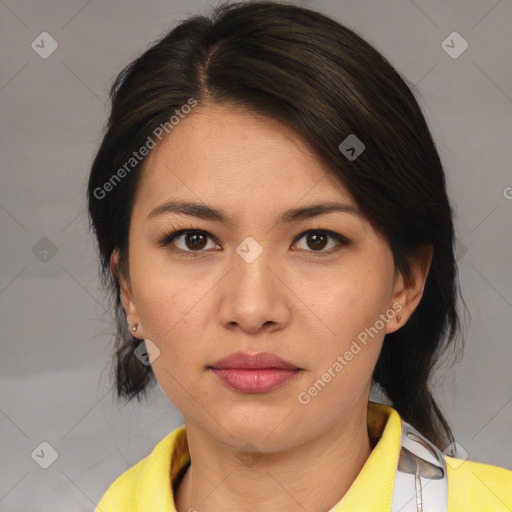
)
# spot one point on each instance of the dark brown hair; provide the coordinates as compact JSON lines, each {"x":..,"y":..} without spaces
{"x":319,"y":77}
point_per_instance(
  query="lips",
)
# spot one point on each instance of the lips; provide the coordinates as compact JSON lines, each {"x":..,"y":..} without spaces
{"x":254,"y":373}
{"x":245,"y":361}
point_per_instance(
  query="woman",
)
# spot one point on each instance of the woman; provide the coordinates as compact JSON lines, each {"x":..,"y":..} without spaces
{"x":273,"y":223}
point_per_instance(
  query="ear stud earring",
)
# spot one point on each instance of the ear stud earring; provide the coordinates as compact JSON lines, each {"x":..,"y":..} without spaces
{"x":133,"y":326}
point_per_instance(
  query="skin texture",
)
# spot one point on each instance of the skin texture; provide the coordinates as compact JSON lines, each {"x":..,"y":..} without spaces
{"x":294,"y":299}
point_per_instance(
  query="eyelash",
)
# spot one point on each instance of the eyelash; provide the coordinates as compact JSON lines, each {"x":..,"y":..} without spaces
{"x":176,"y":230}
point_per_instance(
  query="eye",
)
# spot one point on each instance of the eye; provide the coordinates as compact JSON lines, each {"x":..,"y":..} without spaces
{"x":318,"y":239}
{"x":194,"y":242}
{"x":190,"y":241}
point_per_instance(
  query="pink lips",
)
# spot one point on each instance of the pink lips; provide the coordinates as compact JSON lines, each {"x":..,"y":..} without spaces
{"x":254,"y":373}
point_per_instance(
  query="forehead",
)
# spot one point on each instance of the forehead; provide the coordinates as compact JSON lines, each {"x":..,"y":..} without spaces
{"x":222,"y":152}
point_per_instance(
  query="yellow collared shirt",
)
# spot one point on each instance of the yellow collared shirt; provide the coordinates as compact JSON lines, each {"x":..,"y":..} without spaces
{"x":472,"y":486}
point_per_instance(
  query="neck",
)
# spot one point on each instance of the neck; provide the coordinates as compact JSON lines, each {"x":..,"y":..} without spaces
{"x":311,"y":476}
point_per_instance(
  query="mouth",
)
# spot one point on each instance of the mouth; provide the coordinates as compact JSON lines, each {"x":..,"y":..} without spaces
{"x":255,"y":380}
{"x":260,"y":361}
{"x":256,"y":373}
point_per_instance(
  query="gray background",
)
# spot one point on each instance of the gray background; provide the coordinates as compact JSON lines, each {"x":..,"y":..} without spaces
{"x":56,"y":334}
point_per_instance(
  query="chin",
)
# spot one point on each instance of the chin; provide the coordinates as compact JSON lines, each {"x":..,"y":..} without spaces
{"x":269,"y":433}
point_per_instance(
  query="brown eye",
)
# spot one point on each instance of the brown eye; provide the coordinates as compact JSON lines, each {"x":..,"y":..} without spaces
{"x":318,"y":240}
{"x":192,"y":242}
{"x":195,"y":241}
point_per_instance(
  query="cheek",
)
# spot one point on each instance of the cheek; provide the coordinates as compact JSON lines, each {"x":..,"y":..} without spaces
{"x":173,"y":314}
{"x":349,"y":336}
{"x":173,"y":318}
{"x":345,"y":306}
{"x":348,"y":344}
{"x":165,"y":298}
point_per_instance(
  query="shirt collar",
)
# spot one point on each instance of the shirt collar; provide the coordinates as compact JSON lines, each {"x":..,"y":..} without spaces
{"x":171,"y":455}
{"x":372,"y":490}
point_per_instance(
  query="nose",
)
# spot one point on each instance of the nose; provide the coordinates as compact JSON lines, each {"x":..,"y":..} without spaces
{"x":254,"y":295}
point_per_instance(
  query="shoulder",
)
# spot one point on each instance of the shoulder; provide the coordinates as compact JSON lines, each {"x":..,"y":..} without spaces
{"x":147,"y":484}
{"x":121,"y":494}
{"x":475,"y":486}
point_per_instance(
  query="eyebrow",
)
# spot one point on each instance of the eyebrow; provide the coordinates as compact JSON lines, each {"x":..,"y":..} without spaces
{"x":204,"y":211}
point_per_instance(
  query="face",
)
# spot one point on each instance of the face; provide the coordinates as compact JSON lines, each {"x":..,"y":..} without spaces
{"x":304,"y":287}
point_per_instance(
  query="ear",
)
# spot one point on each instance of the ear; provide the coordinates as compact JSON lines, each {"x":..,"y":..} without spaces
{"x":126,"y":293}
{"x":408,"y":292}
